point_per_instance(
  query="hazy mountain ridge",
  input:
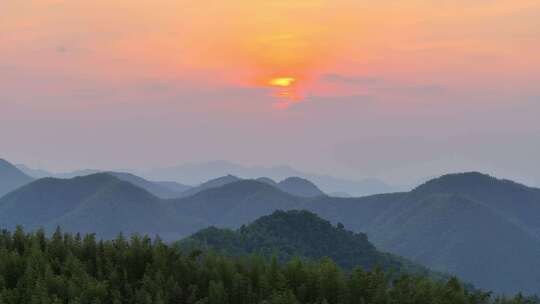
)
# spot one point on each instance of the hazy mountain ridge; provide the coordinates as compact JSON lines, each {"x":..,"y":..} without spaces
{"x":440,"y":228}
{"x":236,"y":203}
{"x":453,"y":233}
{"x":44,"y":200}
{"x":174,"y":186}
{"x":515,"y":202}
{"x":99,"y":203}
{"x":211,"y":184}
{"x":162,"y":189}
{"x":299,"y":187}
{"x":11,"y":178}
{"x":196,"y":172}
{"x":468,"y":224}
{"x":32,"y":172}
{"x":293,"y":185}
{"x":159,"y":189}
{"x":123,"y":207}
{"x":193,"y":174}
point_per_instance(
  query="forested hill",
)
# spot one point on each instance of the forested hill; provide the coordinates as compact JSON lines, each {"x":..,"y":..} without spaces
{"x":75,"y":269}
{"x":289,"y":234}
{"x":482,"y":229}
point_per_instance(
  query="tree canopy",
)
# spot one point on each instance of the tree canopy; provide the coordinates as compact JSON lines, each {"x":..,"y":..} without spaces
{"x":75,"y":269}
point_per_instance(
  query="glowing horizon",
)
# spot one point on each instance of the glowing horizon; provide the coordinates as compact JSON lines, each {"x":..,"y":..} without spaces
{"x":303,"y":76}
{"x":406,"y":43}
{"x":282,"y":81}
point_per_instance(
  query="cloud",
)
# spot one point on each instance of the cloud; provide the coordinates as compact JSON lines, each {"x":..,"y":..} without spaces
{"x":343,"y":106}
{"x":422,"y":89}
{"x":381,"y":84}
{"x":346,"y":98}
{"x":333,"y":77}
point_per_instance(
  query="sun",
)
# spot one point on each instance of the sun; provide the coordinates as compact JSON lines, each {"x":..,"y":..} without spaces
{"x":286,"y":91}
{"x":282,"y":81}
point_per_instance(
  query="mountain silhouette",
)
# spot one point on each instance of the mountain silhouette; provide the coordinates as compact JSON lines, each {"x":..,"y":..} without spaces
{"x":159,"y":189}
{"x":292,"y":185}
{"x":294,"y":233}
{"x":468,"y":224}
{"x":174,"y":186}
{"x":163,"y":189}
{"x":299,"y":187}
{"x":194,"y":173}
{"x":472,"y":225}
{"x":11,"y":178}
{"x":213,"y":183}
{"x":98,"y":203}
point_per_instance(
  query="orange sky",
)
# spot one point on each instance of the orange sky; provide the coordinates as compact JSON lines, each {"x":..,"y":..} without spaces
{"x":247,"y":43}
{"x":412,"y":63}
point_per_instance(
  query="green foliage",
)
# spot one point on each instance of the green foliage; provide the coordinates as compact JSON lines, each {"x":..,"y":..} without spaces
{"x":290,"y":234}
{"x":484,"y":230}
{"x":72,"y":269}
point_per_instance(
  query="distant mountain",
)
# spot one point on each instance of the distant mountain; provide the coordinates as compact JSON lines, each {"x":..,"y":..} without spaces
{"x":483,"y":229}
{"x":197,"y":172}
{"x":46,"y":199}
{"x":77,"y":173}
{"x":35,"y":173}
{"x":123,"y":207}
{"x":292,"y":185}
{"x":471,"y":225}
{"x":211,"y":184}
{"x":159,"y":189}
{"x":299,"y":187}
{"x":450,"y":232}
{"x":267,"y":181}
{"x":193,"y":174}
{"x":235,"y":203}
{"x":40,"y":173}
{"x":174,"y":186}
{"x":340,"y":194}
{"x":515,"y":202}
{"x":11,"y":178}
{"x":301,"y":234}
{"x":99,"y":203}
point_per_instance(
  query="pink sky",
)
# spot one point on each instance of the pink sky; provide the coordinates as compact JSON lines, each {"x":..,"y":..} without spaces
{"x":391,"y":89}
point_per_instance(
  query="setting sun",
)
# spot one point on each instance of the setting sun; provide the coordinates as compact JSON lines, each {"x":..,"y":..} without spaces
{"x":282,"y":81}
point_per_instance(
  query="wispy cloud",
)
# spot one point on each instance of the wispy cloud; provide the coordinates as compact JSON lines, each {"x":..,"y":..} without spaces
{"x":427,"y":89}
{"x":334,"y":77}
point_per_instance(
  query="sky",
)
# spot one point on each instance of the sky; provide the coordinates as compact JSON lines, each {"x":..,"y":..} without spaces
{"x":397,"y":90}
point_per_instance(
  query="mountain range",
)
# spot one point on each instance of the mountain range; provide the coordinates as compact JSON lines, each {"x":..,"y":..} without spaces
{"x":194,"y":173}
{"x":293,"y":185}
{"x":99,"y":203}
{"x":162,"y":189}
{"x":480,"y":228}
{"x":159,"y":189}
{"x":198,"y":173}
{"x":170,"y":189}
